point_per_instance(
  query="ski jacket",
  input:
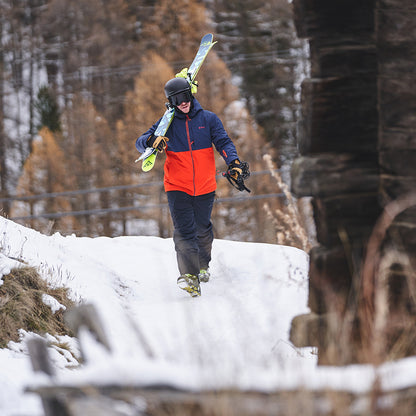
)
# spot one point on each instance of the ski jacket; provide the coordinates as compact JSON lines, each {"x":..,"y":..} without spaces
{"x":190,"y":161}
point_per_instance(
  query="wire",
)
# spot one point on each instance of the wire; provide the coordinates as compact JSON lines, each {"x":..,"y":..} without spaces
{"x":282,"y":56}
{"x":102,"y":211}
{"x":105,"y":189}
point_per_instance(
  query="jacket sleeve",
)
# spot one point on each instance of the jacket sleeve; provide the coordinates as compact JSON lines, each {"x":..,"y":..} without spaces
{"x":221,"y":141}
{"x":141,"y":141}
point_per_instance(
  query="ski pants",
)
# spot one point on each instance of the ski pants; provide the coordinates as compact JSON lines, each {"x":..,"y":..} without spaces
{"x":193,"y":234}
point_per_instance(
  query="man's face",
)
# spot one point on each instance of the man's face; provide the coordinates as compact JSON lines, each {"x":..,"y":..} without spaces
{"x":185,"y":106}
{"x":182,"y":100}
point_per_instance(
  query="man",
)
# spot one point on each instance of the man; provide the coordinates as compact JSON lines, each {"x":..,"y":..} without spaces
{"x":189,"y":178}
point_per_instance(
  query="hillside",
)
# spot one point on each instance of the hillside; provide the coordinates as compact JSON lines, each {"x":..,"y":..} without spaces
{"x":235,"y":336}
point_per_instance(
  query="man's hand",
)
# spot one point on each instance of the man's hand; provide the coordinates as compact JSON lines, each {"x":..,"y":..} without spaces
{"x":234,"y":169}
{"x":159,"y":142}
{"x":236,"y":173}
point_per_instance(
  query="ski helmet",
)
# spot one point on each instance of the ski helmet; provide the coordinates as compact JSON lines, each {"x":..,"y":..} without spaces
{"x":177,"y":91}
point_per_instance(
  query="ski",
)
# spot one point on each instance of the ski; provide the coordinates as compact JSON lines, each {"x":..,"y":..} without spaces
{"x":148,"y":157}
{"x":204,"y":47}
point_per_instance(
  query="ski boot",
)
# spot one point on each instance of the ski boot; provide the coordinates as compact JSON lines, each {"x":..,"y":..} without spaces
{"x":204,"y":275}
{"x":190,"y":284}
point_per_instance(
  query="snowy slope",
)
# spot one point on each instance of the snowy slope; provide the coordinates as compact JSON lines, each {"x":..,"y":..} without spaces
{"x":234,"y":335}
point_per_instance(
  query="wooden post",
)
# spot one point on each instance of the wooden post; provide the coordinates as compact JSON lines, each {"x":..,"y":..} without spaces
{"x":39,"y":358}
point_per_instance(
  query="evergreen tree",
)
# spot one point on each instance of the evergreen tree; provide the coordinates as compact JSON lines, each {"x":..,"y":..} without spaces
{"x":47,"y":110}
{"x":3,"y":136}
{"x":91,"y":45}
{"x":19,"y":59}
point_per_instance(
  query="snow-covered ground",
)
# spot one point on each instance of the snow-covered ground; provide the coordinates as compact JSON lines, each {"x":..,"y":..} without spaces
{"x":234,"y":335}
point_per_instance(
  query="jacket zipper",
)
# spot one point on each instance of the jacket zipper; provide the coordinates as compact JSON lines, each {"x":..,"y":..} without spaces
{"x":190,"y":149}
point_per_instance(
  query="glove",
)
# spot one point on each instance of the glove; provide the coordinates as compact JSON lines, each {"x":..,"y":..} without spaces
{"x":236,"y":174}
{"x":235,"y":169}
{"x":159,"y":142}
{"x":184,"y":74}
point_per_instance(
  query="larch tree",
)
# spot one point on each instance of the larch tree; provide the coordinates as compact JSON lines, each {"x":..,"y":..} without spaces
{"x":175,"y":29}
{"x":88,"y":146}
{"x":216,"y":92}
{"x":46,"y":171}
{"x":143,"y":107}
{"x":215,"y":86}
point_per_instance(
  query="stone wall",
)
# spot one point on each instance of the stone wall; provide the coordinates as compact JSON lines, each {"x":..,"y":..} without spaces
{"x":358,"y":153}
{"x":396,"y":44}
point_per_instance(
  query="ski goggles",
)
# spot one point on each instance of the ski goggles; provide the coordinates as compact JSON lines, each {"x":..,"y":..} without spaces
{"x":181,"y":97}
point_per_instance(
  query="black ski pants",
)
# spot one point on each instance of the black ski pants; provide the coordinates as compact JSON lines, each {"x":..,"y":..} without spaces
{"x":193,"y":234}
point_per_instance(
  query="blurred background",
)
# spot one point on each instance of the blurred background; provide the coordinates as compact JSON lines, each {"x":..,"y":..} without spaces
{"x":80,"y":81}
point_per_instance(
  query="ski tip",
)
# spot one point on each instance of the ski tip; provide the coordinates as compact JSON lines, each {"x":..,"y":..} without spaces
{"x":149,"y":162}
{"x":207,"y":38}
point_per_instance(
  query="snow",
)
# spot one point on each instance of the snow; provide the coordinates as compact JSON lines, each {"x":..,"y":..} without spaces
{"x":6,"y":265}
{"x":50,"y":301}
{"x":234,"y":335}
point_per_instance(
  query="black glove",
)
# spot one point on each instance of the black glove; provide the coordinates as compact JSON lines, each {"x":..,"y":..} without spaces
{"x":159,"y":142}
{"x":237,"y":169}
{"x":236,"y":174}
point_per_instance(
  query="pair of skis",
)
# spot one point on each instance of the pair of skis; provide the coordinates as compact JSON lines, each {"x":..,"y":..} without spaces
{"x":148,"y":157}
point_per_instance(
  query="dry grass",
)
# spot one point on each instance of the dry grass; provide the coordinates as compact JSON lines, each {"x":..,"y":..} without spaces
{"x":387,"y":334}
{"x":284,"y":403}
{"x":21,"y":306}
{"x":374,"y":322}
{"x":88,"y":400}
{"x":289,"y":225}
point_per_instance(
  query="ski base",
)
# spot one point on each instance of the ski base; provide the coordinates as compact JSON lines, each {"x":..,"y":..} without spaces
{"x":149,"y":162}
